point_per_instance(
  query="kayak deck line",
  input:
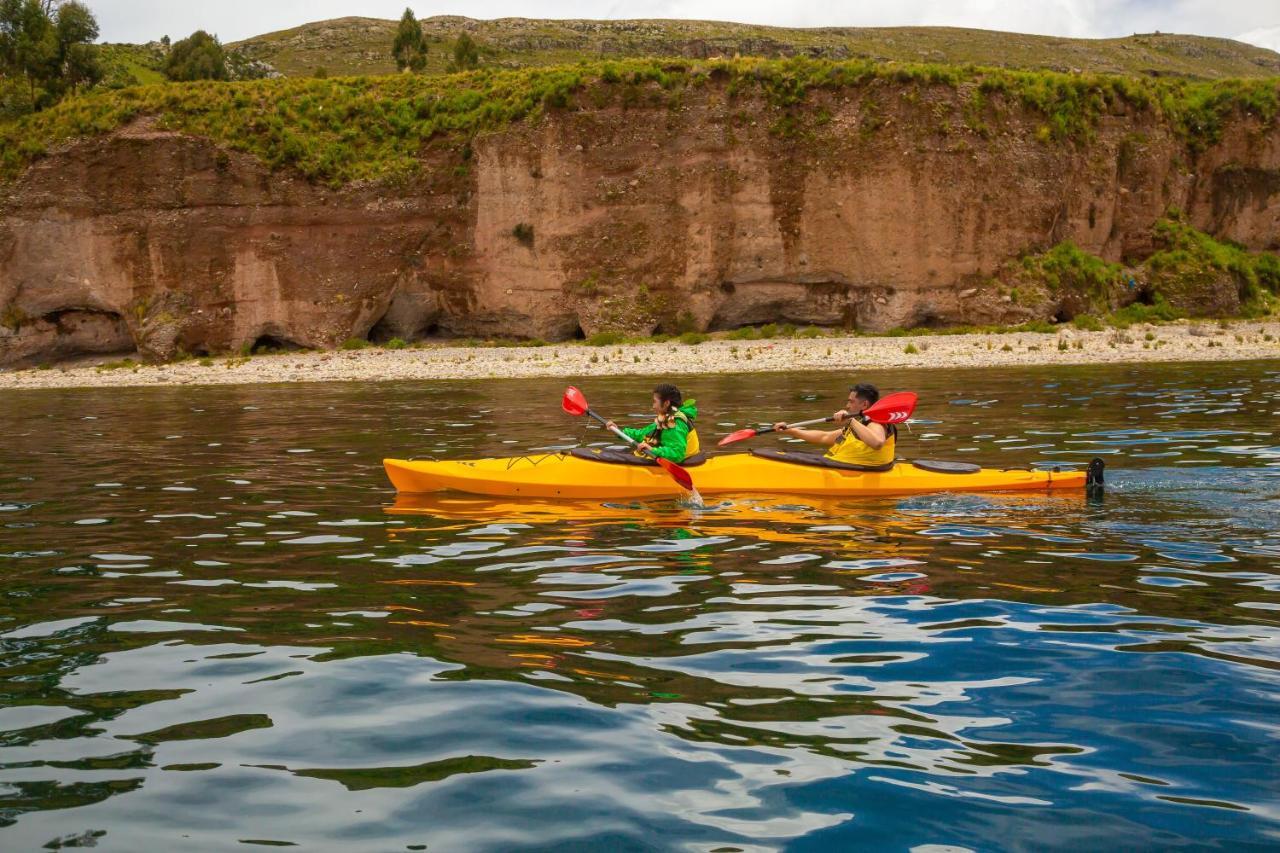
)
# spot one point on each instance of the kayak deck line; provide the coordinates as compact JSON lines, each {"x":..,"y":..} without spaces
{"x":563,"y":475}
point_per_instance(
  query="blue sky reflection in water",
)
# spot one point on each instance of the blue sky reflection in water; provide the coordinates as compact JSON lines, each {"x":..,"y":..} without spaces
{"x":216,"y":627}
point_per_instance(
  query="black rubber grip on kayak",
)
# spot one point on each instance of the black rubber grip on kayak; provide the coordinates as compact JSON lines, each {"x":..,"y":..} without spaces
{"x":939,"y":466}
{"x":814,"y":460}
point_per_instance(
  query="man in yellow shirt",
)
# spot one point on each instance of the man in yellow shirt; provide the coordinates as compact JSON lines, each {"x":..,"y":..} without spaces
{"x":860,"y":441}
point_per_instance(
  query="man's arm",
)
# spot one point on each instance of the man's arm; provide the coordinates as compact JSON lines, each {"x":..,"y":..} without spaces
{"x":873,"y":435}
{"x":813,"y":436}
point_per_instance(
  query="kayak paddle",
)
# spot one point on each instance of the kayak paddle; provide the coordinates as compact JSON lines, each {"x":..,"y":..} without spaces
{"x":893,"y":409}
{"x":744,"y":434}
{"x":575,"y":403}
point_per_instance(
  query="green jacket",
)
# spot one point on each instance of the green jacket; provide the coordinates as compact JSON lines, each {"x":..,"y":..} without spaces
{"x":673,"y":443}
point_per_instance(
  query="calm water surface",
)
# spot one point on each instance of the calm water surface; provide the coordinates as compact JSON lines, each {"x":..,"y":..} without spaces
{"x":218,"y":629}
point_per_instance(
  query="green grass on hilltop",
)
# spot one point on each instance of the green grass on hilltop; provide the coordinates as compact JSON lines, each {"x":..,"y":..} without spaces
{"x":356,"y":46}
{"x":334,"y":130}
{"x":125,"y":65}
{"x":373,"y":128}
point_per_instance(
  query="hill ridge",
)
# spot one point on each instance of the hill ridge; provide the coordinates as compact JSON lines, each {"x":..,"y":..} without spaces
{"x":357,"y":45}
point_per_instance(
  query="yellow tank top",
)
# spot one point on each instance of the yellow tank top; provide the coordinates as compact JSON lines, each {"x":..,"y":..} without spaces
{"x":852,"y":450}
{"x":694,"y":445}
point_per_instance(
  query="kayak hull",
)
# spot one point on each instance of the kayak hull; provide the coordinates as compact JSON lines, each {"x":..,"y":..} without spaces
{"x":560,"y":475}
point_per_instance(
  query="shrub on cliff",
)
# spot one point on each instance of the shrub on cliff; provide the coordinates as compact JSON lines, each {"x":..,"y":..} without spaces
{"x":1159,"y":311}
{"x":1191,"y":265}
{"x":198,"y":57}
{"x":1191,"y":273}
{"x":1067,"y":267}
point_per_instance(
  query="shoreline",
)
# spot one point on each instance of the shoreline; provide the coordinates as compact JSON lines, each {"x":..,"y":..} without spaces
{"x":1241,"y":340}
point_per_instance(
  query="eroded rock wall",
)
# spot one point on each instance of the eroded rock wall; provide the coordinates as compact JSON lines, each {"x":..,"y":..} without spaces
{"x":873,"y":208}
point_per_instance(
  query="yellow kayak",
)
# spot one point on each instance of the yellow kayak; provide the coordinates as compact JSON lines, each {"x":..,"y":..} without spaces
{"x":574,"y":475}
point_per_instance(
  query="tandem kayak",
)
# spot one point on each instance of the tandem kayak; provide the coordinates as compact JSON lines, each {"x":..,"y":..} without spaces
{"x":593,"y":475}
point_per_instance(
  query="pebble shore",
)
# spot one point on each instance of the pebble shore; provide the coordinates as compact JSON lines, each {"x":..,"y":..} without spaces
{"x":1175,"y":342}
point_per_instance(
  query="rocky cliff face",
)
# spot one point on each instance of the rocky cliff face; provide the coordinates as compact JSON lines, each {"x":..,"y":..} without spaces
{"x":871,"y":209}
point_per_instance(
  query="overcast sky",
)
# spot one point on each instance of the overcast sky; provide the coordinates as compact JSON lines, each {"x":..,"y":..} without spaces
{"x":1255,"y":21}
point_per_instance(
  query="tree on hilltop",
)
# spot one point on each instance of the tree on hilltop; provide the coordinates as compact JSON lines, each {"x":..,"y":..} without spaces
{"x":198,"y":57}
{"x":49,"y":44}
{"x":410,"y":46}
{"x":466,"y":54}
{"x":77,"y":59}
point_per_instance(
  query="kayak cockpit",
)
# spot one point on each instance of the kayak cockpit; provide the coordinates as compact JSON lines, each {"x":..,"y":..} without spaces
{"x":612,"y":456}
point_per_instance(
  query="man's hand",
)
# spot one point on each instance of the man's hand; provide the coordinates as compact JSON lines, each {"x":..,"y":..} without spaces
{"x":781,"y":427}
{"x":841,"y":416}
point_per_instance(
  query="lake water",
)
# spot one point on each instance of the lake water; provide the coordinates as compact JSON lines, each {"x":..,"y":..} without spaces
{"x":218,"y":629}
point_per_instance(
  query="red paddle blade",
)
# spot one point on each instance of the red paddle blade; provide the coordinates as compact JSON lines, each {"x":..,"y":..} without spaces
{"x":574,"y":402}
{"x":893,"y":409}
{"x":740,"y":435}
{"x":677,"y":473}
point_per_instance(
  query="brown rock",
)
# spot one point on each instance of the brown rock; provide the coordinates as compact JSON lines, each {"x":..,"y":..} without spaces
{"x":161,"y":242}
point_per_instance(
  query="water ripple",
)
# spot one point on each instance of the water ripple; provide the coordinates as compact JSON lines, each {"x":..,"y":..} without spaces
{"x":254,"y":651}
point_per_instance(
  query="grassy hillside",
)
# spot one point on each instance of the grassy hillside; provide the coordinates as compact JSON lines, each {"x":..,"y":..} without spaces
{"x":131,"y":65}
{"x":373,"y":128}
{"x":355,"y":46}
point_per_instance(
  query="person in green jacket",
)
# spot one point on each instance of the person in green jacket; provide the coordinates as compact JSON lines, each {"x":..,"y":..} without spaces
{"x":672,"y":434}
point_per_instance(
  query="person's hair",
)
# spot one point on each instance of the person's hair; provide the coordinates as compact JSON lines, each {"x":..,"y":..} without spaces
{"x":669,"y":394}
{"x":870,"y":393}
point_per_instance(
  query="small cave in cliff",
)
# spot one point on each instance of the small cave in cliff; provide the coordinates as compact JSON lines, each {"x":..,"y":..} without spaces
{"x":67,"y":333}
{"x":928,"y":317}
{"x":382,"y":332}
{"x":275,"y":343}
{"x":389,"y":329}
